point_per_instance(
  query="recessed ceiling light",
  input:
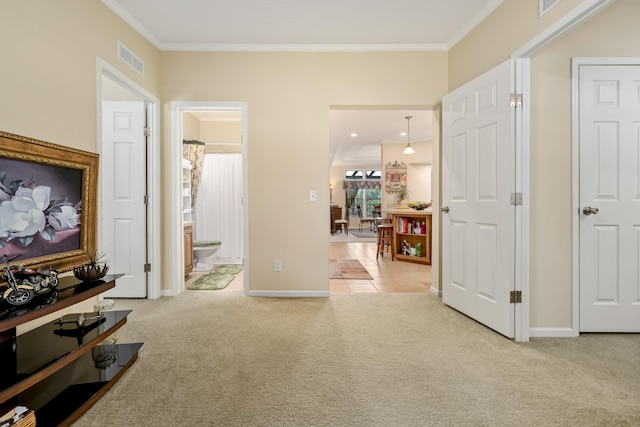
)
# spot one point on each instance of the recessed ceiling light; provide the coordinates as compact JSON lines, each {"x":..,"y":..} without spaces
{"x":353,"y":135}
{"x":403,"y":134}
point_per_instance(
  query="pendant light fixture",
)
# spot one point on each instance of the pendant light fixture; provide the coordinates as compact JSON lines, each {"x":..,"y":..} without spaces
{"x":408,"y":149}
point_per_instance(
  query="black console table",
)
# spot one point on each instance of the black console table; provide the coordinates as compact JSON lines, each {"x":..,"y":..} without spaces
{"x":58,"y":370}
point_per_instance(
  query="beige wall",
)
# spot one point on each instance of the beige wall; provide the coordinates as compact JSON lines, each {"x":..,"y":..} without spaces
{"x":418,"y":169}
{"x":48,"y":72}
{"x":288,"y":97}
{"x":221,"y":132}
{"x":190,"y":127}
{"x":112,"y":91}
{"x":490,"y":43}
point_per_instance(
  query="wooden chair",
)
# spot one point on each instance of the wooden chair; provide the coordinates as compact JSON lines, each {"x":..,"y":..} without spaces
{"x":365,"y":220}
{"x":337,"y":223}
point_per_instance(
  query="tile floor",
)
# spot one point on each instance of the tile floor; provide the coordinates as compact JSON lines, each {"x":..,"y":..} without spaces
{"x":388,"y":276}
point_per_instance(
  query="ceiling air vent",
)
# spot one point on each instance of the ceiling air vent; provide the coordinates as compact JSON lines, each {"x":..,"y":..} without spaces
{"x":130,"y":58}
{"x":545,"y":5}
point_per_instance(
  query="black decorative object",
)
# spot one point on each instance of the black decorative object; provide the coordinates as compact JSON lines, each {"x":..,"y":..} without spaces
{"x":92,"y":271}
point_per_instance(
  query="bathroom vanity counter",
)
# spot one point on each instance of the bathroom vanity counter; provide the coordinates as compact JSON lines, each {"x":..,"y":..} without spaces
{"x":188,"y":247}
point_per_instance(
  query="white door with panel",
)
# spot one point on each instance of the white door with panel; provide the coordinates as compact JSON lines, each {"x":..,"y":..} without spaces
{"x":609,"y":139}
{"x":477,"y":216}
{"x":123,"y":172}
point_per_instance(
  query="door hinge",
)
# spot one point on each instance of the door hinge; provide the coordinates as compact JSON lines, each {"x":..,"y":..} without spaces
{"x":147,"y":267}
{"x":516,"y":100}
{"x":515,"y":297}
{"x":146,"y":199}
{"x":147,"y":131}
{"x":516,"y":199}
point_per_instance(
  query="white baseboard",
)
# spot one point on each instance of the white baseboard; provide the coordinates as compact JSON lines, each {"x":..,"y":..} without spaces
{"x":436,"y":292}
{"x":170,"y":293}
{"x":553,"y":332}
{"x":323,"y":294}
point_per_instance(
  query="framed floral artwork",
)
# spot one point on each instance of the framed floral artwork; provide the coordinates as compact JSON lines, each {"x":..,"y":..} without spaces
{"x":395,"y":176}
{"x":47,"y":203}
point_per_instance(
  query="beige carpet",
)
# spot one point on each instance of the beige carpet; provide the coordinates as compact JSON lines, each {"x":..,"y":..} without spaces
{"x":223,"y":359}
{"x":347,"y":269}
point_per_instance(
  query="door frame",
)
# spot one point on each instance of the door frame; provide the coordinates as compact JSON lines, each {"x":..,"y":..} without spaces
{"x":176,"y":246}
{"x":582,"y":12}
{"x":104,"y":69}
{"x":576,"y":64}
{"x":521,"y":71}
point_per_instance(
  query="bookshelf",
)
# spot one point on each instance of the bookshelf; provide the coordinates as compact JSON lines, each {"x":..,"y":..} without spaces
{"x":412,"y":236}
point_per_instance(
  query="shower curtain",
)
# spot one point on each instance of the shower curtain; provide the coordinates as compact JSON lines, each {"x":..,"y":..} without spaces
{"x":218,"y":210}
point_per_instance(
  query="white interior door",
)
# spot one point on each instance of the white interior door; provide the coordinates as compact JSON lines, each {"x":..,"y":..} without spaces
{"x":123,"y":165}
{"x":609,"y":198}
{"x":478,"y":218}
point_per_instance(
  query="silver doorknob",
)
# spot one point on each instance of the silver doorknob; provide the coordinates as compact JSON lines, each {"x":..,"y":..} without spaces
{"x":590,"y":211}
{"x":444,"y":209}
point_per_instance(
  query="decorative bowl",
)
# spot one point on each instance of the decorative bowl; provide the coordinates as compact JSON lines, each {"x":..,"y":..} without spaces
{"x":90,"y":272}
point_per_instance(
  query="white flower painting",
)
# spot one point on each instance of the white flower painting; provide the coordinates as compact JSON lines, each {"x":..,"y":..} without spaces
{"x":29,"y":211}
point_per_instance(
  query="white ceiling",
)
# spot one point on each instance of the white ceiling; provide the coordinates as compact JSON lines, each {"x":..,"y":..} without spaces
{"x":373,"y":127}
{"x":316,"y":25}
{"x":303,"y":24}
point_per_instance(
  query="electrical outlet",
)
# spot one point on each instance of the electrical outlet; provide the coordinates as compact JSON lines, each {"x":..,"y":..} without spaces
{"x":277,"y":265}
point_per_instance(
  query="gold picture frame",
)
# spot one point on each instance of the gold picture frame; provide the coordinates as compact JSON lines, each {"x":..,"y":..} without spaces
{"x":47,"y":203}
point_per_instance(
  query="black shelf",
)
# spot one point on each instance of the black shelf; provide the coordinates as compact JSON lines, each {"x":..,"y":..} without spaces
{"x":50,"y":347}
{"x":63,"y":340}
{"x":70,"y":291}
{"x":78,"y":386}
{"x":51,"y":369}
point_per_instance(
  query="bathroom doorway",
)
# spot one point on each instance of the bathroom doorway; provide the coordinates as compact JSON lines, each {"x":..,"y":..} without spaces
{"x":219,"y":209}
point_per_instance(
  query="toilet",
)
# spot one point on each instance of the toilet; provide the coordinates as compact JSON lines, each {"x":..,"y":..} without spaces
{"x":203,"y":249}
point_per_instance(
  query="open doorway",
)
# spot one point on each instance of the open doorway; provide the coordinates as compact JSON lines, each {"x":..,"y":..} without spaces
{"x":364,"y":141}
{"x":212,"y":192}
{"x":121,"y":101}
{"x":216,"y":131}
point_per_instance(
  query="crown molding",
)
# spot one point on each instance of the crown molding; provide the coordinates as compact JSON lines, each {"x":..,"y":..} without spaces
{"x":486,"y":11}
{"x":232,"y":47}
{"x":129,"y":19}
{"x":213,"y":47}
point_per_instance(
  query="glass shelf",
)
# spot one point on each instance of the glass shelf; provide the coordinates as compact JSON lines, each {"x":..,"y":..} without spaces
{"x":70,"y":291}
{"x":76,"y":385}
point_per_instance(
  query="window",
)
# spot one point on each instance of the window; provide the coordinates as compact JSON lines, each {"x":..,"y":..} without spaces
{"x":369,"y":193}
{"x":362,"y":174}
{"x":373,"y":174}
{"x":352,"y":174}
{"x":368,"y":199}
